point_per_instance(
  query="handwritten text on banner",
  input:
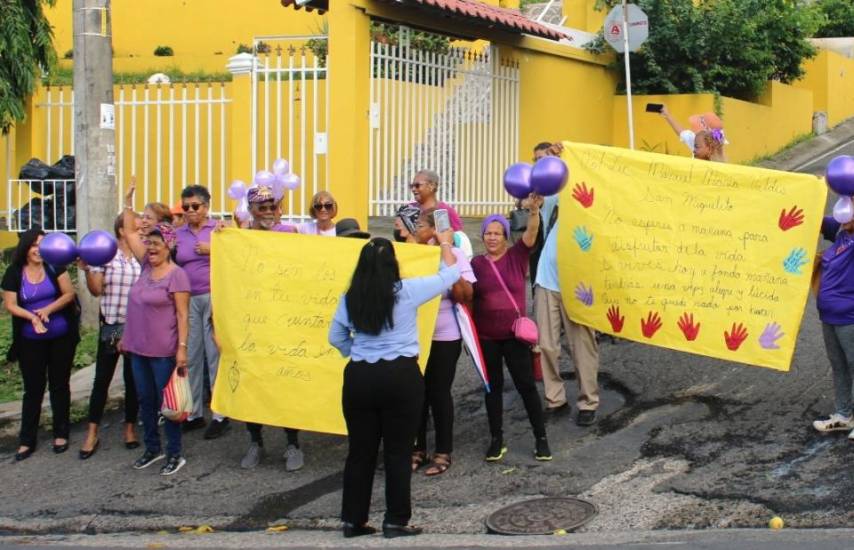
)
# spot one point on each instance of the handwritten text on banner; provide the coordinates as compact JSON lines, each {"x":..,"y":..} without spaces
{"x":703,"y":257}
{"x":274,"y":295}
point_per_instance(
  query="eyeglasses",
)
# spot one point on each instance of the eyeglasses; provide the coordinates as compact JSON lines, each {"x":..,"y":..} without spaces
{"x":324,"y":206}
{"x":194,"y":206}
{"x":266,"y":208}
{"x":416,"y":185}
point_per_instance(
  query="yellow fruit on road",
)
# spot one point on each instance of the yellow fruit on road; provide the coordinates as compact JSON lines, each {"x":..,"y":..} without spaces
{"x":776,"y":523}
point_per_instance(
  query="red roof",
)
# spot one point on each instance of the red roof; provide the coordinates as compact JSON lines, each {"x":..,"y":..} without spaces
{"x":468,"y":11}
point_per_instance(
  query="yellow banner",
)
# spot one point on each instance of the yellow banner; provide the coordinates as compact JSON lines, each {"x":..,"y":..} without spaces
{"x":698,"y":256}
{"x":274,"y":295}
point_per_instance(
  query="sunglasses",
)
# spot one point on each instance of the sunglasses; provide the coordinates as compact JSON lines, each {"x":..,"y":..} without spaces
{"x":324,"y":206}
{"x":266,"y":208}
{"x":194,"y":206}
{"x":416,"y":185}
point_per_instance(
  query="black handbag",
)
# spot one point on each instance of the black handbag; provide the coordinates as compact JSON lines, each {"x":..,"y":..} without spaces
{"x":109,"y":335}
{"x":519,"y":219}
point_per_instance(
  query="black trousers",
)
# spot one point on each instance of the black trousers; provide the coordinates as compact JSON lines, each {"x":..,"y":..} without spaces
{"x":381,"y":401}
{"x":105,"y":367}
{"x":45,"y":363}
{"x":255,"y":435}
{"x":438,"y":379}
{"x":518,"y":358}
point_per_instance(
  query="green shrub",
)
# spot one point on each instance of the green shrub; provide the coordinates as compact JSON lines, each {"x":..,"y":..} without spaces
{"x":163,"y":51}
{"x":838,"y":18}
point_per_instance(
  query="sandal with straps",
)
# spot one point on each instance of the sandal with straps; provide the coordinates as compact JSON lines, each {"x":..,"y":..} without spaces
{"x":419,"y":459}
{"x":440,"y":464}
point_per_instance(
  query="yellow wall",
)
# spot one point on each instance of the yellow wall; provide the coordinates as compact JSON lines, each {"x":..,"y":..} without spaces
{"x":831,"y":78}
{"x":753,"y":129}
{"x":581,"y":14}
{"x":202,"y":33}
{"x":561,"y":97}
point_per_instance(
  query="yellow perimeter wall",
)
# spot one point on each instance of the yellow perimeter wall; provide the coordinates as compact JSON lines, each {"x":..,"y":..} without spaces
{"x":830,"y":76}
{"x":202,"y":33}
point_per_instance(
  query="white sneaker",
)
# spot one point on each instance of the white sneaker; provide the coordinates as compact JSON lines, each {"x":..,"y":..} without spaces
{"x":834,"y":422}
{"x":293,"y":459}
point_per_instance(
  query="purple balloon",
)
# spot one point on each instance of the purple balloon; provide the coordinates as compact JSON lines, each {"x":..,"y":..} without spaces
{"x":237,"y":190}
{"x":517,"y":180}
{"x":279,"y":186}
{"x":549,"y":176}
{"x":290,"y":181}
{"x":840,"y":175}
{"x":265,"y":177}
{"x":98,"y":248}
{"x":281,"y":167}
{"x":58,"y":249}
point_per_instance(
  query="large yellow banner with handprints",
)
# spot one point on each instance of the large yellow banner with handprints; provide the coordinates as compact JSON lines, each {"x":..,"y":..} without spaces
{"x":274,"y":295}
{"x":698,"y":256}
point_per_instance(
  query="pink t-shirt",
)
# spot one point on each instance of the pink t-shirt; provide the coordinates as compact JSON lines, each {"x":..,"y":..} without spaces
{"x":447,"y":329}
{"x":151,"y":328}
{"x":494,"y":313}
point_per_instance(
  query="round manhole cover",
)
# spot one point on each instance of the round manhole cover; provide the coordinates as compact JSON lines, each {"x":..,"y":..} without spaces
{"x":542,"y":516}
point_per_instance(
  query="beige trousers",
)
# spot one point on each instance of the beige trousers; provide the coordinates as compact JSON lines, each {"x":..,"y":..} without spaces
{"x":551,"y":315}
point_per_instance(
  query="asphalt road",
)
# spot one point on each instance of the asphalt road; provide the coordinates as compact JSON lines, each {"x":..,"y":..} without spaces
{"x":819,"y":164}
{"x":684,"y":442}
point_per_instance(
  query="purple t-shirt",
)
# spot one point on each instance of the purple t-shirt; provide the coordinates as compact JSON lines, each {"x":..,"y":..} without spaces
{"x":196,"y":266}
{"x":494,"y":314}
{"x":836,"y":288}
{"x":453,"y":217}
{"x":447,"y":329}
{"x":283,"y":228}
{"x":151,"y":329}
{"x":37,"y":296}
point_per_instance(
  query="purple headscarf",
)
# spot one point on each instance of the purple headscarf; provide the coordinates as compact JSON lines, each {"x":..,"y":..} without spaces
{"x":167,"y":231}
{"x":495,"y":218}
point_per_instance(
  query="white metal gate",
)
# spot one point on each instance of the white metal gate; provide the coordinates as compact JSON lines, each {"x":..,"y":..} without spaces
{"x":167,"y":135}
{"x":456,"y":113}
{"x":290,"y":113}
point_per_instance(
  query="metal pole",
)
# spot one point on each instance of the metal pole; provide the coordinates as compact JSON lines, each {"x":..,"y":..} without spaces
{"x":628,"y":74}
{"x":94,"y":128}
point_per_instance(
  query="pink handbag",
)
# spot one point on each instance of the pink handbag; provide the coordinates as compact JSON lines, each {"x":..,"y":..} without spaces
{"x":524,"y":329}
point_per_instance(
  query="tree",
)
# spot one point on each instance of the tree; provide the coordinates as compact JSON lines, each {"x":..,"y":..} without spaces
{"x":838,"y":18}
{"x":731,"y":47}
{"x":26,"y":46}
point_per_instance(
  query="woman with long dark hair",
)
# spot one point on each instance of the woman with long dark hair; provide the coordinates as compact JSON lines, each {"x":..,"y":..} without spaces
{"x":375,"y":325}
{"x":45,"y":332}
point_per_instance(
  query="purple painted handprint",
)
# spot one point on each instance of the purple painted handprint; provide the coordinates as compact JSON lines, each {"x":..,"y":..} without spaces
{"x":769,"y":337}
{"x":584,"y":295}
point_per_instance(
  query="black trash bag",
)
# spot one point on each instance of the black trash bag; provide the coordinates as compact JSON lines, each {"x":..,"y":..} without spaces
{"x":36,"y":212}
{"x":63,"y":169}
{"x":34,"y":169}
{"x":65,"y":194}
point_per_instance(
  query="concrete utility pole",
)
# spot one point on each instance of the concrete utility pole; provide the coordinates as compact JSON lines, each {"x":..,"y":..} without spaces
{"x":94,"y":128}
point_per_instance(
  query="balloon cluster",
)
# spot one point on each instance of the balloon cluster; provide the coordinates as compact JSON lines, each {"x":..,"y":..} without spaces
{"x":840,"y":178}
{"x":279,"y":179}
{"x":97,"y":248}
{"x":546,"y":177}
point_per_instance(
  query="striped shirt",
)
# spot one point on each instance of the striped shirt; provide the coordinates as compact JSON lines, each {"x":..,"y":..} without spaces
{"x":119,"y":276}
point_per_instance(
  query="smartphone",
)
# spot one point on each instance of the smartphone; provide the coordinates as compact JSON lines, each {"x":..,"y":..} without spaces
{"x":654,"y":107}
{"x":443,"y":222}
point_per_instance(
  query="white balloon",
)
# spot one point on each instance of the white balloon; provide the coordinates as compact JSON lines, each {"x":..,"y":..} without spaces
{"x":281,"y":167}
{"x":843,"y":210}
{"x":291,"y":181}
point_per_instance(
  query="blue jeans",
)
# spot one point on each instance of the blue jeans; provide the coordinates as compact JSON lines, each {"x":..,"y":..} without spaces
{"x":839,"y":342}
{"x":151,"y":375}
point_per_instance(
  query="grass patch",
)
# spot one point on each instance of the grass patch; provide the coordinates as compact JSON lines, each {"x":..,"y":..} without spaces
{"x":755,"y":161}
{"x":64,"y":76}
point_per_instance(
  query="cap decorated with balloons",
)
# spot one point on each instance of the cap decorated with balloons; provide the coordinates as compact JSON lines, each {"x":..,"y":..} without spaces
{"x":547,"y":177}
{"x":840,"y":178}
{"x":277,"y":180}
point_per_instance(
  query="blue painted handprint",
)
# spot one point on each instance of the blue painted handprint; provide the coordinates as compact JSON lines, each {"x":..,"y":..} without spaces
{"x":583,"y":238}
{"x":795,"y":261}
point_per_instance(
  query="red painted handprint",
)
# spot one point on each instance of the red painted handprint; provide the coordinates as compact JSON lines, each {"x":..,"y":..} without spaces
{"x":687,"y":326}
{"x":651,"y":325}
{"x":615,"y":319}
{"x":792,"y":218}
{"x":735,"y":337}
{"x":583,"y":195}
